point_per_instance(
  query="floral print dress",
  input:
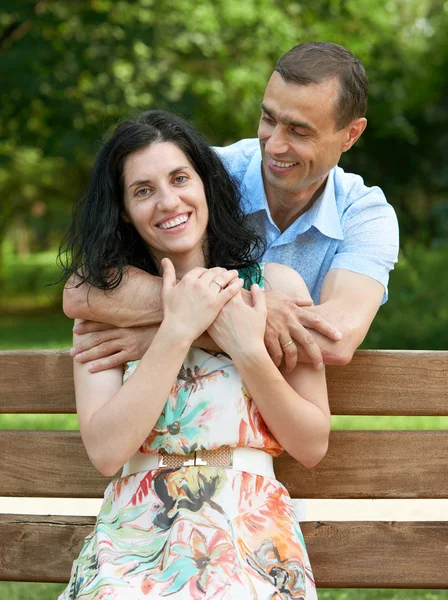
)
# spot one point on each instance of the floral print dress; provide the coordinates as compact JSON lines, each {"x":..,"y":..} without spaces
{"x":197,"y":532}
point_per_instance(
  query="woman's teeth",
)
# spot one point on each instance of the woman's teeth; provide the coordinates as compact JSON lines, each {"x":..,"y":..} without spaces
{"x":174,"y":222}
{"x":282,"y":164}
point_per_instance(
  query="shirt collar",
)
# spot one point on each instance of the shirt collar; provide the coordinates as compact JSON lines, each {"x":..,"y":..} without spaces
{"x":254,"y":197}
{"x":323,"y":214}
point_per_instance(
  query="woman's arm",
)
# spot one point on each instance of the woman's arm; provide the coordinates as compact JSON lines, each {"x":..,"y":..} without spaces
{"x":293,"y":405}
{"x":115,"y":419}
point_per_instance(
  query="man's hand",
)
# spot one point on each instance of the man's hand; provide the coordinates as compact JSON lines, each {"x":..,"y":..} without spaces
{"x":288,"y":319}
{"x":109,"y":346}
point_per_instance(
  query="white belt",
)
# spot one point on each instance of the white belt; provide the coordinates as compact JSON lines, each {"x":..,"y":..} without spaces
{"x":242,"y":459}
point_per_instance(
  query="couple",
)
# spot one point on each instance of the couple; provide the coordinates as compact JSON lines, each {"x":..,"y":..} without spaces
{"x":197,"y":512}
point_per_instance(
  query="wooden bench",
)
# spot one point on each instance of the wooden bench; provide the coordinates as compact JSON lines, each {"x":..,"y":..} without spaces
{"x":359,"y":465}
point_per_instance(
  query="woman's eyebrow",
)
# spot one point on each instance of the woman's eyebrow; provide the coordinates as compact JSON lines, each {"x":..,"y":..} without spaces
{"x":140,"y":181}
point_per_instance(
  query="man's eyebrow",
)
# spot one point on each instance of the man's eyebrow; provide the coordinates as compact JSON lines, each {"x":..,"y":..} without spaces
{"x":287,"y":120}
{"x":140,"y":181}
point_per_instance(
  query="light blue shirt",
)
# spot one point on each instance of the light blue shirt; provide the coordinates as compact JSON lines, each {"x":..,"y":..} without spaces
{"x":351,"y":226}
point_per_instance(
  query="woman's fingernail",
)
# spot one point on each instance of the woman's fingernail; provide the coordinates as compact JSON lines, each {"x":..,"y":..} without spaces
{"x":320,"y":365}
{"x":338,"y":335}
{"x":72,"y":352}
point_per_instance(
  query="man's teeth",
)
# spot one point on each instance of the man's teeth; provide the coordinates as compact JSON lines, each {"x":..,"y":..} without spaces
{"x":174,"y":222}
{"x":282,"y":164}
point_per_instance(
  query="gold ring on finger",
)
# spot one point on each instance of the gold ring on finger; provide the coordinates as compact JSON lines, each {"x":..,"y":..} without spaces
{"x":287,"y":344}
{"x":221,"y":287}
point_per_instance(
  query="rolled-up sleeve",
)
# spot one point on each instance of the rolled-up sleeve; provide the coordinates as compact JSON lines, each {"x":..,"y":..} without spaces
{"x":371,"y":240}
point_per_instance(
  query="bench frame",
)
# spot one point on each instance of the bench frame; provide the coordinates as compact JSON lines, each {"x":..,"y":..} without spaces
{"x":359,"y":465}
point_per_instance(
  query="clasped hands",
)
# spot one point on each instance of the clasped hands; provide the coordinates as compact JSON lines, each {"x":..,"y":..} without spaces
{"x":288,"y":322}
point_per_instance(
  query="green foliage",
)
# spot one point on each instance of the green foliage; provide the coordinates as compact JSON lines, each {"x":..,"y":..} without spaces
{"x":416,"y":314}
{"x":95,"y":61}
{"x":26,"y":282}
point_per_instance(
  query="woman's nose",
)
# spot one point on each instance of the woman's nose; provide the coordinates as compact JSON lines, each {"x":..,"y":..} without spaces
{"x":168,"y":200}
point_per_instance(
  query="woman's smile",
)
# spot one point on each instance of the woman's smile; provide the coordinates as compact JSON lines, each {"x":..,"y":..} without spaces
{"x":175,"y":224}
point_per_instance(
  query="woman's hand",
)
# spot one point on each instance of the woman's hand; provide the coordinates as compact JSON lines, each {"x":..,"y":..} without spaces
{"x":191,"y":306}
{"x":239,"y":328}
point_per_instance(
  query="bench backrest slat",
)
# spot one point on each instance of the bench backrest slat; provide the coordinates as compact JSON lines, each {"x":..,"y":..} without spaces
{"x":374,"y":383}
{"x":359,"y":464}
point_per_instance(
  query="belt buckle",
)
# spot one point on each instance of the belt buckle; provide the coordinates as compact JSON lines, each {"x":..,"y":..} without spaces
{"x":175,"y":460}
{"x":190,"y":460}
{"x":199,"y":460}
{"x":221,"y":457}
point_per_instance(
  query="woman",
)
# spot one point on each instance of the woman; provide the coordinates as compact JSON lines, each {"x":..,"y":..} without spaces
{"x":197,"y":512}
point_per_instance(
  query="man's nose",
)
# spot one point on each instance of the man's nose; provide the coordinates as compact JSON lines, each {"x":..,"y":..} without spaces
{"x":277,"y":143}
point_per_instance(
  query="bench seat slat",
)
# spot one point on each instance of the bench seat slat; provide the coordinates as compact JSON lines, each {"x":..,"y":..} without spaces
{"x":359,"y":465}
{"x":343,"y":554}
{"x":378,"y":555}
{"x":374,"y":383}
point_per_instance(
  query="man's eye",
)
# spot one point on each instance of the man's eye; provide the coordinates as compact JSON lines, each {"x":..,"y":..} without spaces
{"x":298,"y":133}
{"x":267,"y":119}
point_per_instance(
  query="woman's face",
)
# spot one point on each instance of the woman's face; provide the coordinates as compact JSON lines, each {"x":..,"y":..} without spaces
{"x":165,"y":201}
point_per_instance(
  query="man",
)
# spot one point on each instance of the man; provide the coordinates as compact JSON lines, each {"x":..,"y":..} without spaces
{"x":340,"y":235}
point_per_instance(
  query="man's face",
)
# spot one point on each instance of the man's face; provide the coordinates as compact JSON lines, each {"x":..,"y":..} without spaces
{"x":298,"y":136}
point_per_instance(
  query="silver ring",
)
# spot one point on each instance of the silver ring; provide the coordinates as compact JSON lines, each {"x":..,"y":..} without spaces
{"x":287,"y":344}
{"x":221,"y":287}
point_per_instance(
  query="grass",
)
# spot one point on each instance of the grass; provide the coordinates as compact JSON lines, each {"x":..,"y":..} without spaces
{"x":33,"y":330}
{"x":45,"y":591}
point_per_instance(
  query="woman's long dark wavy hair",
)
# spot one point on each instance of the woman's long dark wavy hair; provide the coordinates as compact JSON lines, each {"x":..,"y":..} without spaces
{"x":99,"y":244}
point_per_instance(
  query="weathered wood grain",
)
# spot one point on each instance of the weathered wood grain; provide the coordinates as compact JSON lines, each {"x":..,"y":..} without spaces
{"x":359,"y":464}
{"x":378,"y":555}
{"x":36,"y":381}
{"x":375,"y":382}
{"x":373,"y":464}
{"x":51,"y":464}
{"x":343,"y":554}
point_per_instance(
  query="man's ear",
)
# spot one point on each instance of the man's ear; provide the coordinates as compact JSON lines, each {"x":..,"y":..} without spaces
{"x":353,"y":132}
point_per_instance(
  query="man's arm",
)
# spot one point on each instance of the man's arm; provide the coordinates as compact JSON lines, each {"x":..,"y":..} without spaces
{"x":135,"y":302}
{"x":349,"y":301}
{"x":356,"y":283}
{"x":109,"y":346}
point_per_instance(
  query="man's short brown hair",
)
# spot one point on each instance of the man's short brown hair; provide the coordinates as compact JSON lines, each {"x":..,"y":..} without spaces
{"x":315,"y":62}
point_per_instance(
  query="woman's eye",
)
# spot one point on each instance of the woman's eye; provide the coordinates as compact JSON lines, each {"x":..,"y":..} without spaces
{"x":142,"y":192}
{"x":181,"y":179}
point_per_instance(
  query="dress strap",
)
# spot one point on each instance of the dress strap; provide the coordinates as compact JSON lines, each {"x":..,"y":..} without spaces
{"x":253,"y":274}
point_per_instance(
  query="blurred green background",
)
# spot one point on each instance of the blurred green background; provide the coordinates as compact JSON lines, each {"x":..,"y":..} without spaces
{"x":71,"y":70}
